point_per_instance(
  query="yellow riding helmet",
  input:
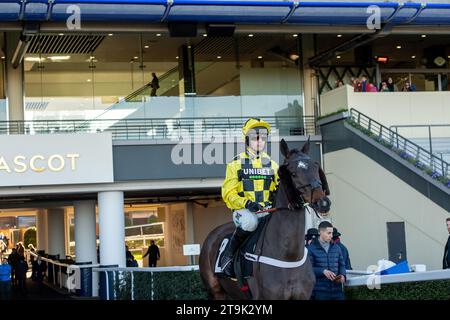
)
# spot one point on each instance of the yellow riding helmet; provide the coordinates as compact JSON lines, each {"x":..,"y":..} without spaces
{"x":254,"y":123}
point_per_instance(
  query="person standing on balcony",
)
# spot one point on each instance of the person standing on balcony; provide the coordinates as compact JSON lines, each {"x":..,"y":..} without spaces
{"x":251,"y":178}
{"x":154,"y":84}
{"x":446,"y":260}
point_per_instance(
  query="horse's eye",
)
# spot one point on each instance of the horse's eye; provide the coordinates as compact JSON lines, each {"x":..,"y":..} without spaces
{"x":293,"y":174}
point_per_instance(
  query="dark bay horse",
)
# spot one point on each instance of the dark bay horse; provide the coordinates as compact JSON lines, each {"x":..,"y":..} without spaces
{"x":302,"y":181}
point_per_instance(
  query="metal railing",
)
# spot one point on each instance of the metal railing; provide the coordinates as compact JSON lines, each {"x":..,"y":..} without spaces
{"x":372,"y":279}
{"x":160,"y":128}
{"x":408,"y":150}
{"x":428,"y":128}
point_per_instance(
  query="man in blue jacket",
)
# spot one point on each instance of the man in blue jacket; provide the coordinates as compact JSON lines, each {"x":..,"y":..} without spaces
{"x":328,"y":265}
{"x":5,"y":280}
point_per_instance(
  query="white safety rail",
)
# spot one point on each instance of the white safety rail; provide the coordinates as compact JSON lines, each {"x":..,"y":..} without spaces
{"x":68,"y":280}
{"x":369,"y":279}
{"x":139,"y":270}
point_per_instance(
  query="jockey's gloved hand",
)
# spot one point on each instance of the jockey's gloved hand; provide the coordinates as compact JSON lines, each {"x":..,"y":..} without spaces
{"x":253,"y":206}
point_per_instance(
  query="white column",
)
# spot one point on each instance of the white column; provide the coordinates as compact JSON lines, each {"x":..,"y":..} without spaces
{"x":14,"y":79}
{"x":111,"y":219}
{"x":309,"y":77}
{"x":85,"y":237}
{"x":56,"y":232}
{"x":42,"y":230}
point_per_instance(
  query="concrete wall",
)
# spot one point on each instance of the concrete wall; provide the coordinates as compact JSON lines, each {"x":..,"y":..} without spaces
{"x":365,"y":196}
{"x":394,"y":108}
{"x":207,"y":219}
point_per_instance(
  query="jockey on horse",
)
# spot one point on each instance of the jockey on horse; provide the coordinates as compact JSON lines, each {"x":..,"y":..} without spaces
{"x":251,"y":178}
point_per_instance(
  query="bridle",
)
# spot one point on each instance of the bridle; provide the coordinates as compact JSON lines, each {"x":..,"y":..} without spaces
{"x":298,"y":202}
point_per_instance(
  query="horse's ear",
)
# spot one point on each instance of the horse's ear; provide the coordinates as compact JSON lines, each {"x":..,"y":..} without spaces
{"x":284,"y":148}
{"x":324,"y":181}
{"x":305,"y":148}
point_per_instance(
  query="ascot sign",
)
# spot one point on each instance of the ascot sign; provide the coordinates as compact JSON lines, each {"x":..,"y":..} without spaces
{"x":49,"y":159}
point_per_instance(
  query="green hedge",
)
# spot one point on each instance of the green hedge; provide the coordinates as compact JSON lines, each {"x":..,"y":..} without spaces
{"x":188,"y":286}
{"x":423,"y":290}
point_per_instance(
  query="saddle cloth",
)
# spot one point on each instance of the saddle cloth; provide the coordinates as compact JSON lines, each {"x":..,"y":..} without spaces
{"x":243,"y":267}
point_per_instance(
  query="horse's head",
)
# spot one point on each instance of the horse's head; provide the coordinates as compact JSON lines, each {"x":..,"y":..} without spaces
{"x":306,"y":177}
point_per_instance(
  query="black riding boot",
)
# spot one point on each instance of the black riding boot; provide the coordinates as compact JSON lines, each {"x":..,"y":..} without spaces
{"x":236,"y":240}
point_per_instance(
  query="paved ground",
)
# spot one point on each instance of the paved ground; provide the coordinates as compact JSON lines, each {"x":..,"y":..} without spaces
{"x":33,"y":292}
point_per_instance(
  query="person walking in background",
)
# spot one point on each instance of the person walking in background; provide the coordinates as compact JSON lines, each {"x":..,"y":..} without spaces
{"x":328,"y":265}
{"x":5,"y":280}
{"x":337,"y":240}
{"x":446,"y":260}
{"x":39,"y":268}
{"x":154,"y":84}
{"x":153,"y":254}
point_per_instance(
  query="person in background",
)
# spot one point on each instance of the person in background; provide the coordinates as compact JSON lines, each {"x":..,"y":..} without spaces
{"x":337,"y":240}
{"x":39,"y":268}
{"x":153,"y":254}
{"x":391,"y":85}
{"x":409,"y":87}
{"x":384,"y":87}
{"x":5,"y":280}
{"x":311,"y":234}
{"x":328,"y":265}
{"x":130,"y":260}
{"x":13,"y":260}
{"x":20,"y":249}
{"x":446,"y":259}
{"x":21,"y":275}
{"x":32,"y":250}
{"x":154,"y":84}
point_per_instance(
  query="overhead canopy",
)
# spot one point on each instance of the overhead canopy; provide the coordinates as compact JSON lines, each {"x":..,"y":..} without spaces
{"x":226,"y":11}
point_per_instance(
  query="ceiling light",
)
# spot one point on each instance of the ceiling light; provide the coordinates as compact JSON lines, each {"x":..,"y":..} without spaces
{"x":294,"y":56}
{"x":136,"y":58}
{"x":250,"y":35}
{"x":259,"y":57}
{"x":3,"y":57}
{"x":60,"y":34}
{"x":146,"y":47}
{"x":424,"y":36}
{"x":88,"y":80}
{"x":382,"y":59}
{"x":177,"y":57}
{"x":33,"y":59}
{"x":110,"y":34}
{"x":399,"y":47}
{"x":413,"y":57}
{"x":59,"y":58}
{"x":158,"y":34}
{"x":205,"y":35}
{"x":338,"y":57}
{"x":339,"y":35}
{"x":219,"y":57}
{"x":295,"y":35}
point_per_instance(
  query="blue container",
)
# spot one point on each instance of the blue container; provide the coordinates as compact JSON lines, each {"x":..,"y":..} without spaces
{"x":401,"y":267}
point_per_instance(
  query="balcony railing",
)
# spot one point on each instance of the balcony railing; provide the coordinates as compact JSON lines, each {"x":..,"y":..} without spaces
{"x":173,"y":128}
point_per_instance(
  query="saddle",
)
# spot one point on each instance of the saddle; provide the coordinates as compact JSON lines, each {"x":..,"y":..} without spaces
{"x":243,"y":268}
